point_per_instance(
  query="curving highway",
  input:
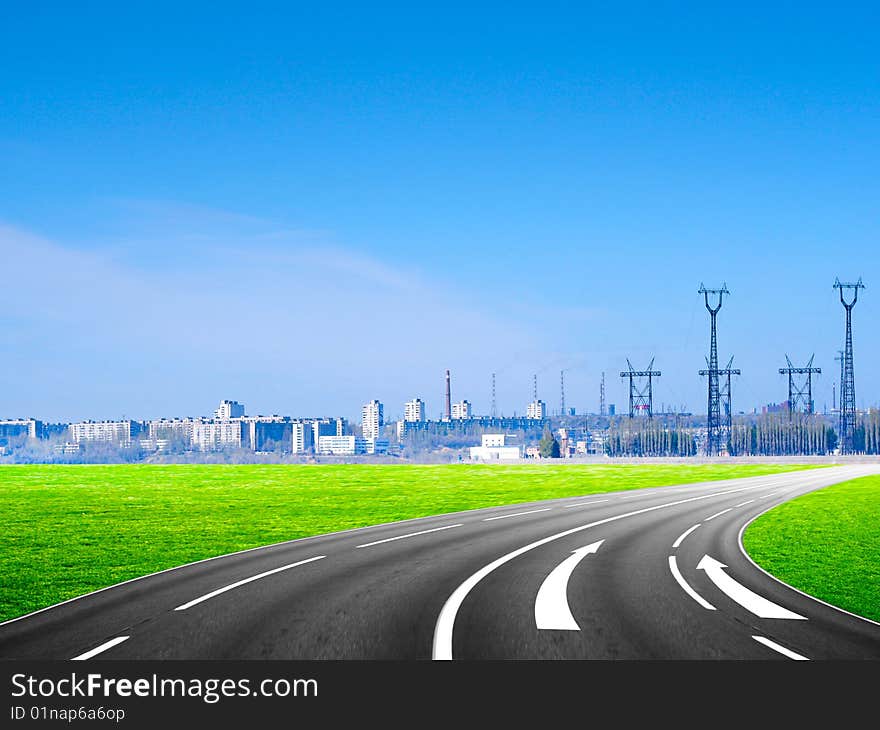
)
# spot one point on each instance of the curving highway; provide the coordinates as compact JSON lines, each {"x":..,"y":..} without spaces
{"x":648,"y":574}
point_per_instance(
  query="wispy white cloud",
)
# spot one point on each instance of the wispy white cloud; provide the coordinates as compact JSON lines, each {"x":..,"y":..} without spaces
{"x":238,"y":310}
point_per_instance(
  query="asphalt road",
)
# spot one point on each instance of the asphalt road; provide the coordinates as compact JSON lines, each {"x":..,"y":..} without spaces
{"x":649,"y":574}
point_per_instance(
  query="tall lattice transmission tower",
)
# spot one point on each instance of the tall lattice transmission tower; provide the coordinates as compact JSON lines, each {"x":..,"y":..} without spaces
{"x":714,"y":426}
{"x":847,"y":382}
{"x":494,"y":406}
{"x":602,"y":396}
{"x":800,"y":393}
{"x":641,"y":396}
{"x":562,"y":393}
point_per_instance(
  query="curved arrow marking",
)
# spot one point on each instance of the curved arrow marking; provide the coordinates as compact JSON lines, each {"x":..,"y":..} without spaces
{"x":551,"y":605}
{"x":749,"y":600}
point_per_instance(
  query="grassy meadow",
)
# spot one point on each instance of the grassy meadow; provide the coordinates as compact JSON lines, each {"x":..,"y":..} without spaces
{"x":68,"y":530}
{"x":826,"y":543}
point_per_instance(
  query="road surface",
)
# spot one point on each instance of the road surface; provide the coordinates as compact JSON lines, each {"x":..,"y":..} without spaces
{"x":646,"y":574}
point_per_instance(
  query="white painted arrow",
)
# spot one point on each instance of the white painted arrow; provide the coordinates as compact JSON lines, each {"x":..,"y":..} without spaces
{"x":749,"y":600}
{"x":551,"y":605}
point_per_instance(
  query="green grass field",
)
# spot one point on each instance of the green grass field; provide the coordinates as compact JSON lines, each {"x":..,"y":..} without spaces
{"x":68,"y":530}
{"x":826,"y":543}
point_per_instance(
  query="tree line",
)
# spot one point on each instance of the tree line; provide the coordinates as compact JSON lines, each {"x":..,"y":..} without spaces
{"x":771,"y":434}
{"x":648,"y":437}
{"x":782,"y":434}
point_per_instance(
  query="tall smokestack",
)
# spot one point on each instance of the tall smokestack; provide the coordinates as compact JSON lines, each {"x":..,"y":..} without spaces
{"x":448,"y":397}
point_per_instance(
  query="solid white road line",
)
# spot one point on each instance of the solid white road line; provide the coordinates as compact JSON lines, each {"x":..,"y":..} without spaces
{"x":684,"y":534}
{"x":743,"y":504}
{"x":781,"y":649}
{"x":403,"y":537}
{"x":676,"y":573}
{"x":749,"y":600}
{"x":584,"y":504}
{"x":442,"y":647}
{"x":243,"y":582}
{"x":517,"y":514}
{"x":718,"y":514}
{"x":98,"y":649}
{"x":551,"y":605}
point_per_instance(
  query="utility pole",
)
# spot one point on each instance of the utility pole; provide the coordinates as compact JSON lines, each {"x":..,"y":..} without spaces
{"x":847,"y":383}
{"x":641,"y":399}
{"x":800,"y":396}
{"x":714,"y":427}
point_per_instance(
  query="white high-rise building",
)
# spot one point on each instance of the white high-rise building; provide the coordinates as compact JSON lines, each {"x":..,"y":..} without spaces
{"x":462,"y":410}
{"x":170,"y":428}
{"x":229,"y":409}
{"x":536,"y":410}
{"x":372,"y":419}
{"x":30,"y":427}
{"x":414,"y":410}
{"x":214,"y":435}
{"x":120,"y":432}
{"x":301,"y":436}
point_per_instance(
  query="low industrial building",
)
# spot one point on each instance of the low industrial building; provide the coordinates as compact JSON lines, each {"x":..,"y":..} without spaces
{"x":494,"y":448}
{"x":342,"y":445}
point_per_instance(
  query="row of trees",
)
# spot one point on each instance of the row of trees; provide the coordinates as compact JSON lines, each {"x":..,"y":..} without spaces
{"x":765,"y":435}
{"x":866,"y":438}
{"x":643,"y":437}
{"x":781,"y":435}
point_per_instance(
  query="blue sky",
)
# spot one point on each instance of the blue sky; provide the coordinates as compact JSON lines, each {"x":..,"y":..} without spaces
{"x":307,"y":208}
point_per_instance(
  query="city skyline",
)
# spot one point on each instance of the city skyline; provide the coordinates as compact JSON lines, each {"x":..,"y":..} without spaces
{"x":330,"y":207}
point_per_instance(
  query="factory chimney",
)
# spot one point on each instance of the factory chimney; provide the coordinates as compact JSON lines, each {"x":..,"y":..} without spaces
{"x":448,"y":398}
